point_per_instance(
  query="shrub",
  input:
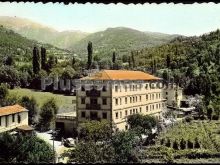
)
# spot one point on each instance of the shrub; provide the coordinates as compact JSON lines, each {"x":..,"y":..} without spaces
{"x":215,"y":117}
{"x":188,"y":119}
{"x":175,"y":145}
{"x":197,"y":144}
{"x":168,"y":143}
{"x":182,"y":144}
{"x":190,"y":144}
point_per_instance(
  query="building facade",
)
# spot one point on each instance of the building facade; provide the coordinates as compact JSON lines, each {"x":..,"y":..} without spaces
{"x":12,"y":117}
{"x":116,"y":94}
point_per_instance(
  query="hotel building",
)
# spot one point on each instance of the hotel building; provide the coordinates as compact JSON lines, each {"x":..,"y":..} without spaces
{"x":116,"y":94}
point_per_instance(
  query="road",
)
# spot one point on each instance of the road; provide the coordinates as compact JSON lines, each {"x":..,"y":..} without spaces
{"x":59,"y":149}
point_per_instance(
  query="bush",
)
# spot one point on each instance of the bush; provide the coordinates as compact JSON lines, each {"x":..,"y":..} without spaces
{"x":182,"y":144}
{"x":175,"y":145}
{"x":188,"y":119}
{"x":215,"y":117}
{"x":190,"y":144}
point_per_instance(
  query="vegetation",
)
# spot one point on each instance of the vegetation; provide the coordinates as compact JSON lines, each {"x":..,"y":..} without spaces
{"x":24,"y":149}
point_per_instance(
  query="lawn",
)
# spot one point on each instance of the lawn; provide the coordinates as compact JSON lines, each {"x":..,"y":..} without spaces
{"x":65,"y":103}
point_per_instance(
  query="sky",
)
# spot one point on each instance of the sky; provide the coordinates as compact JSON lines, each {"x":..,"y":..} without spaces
{"x":184,"y":19}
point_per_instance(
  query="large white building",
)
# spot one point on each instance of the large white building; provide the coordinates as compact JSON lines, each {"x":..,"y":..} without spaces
{"x":12,"y":117}
{"x":116,"y":94}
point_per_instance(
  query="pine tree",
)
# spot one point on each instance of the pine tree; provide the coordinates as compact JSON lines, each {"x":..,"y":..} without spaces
{"x":36,"y":61}
{"x":90,"y":51}
{"x":43,"y":58}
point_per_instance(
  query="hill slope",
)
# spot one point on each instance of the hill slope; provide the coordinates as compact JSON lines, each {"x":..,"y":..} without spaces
{"x":121,"y":39}
{"x":21,"y":48}
{"x":41,"y":33}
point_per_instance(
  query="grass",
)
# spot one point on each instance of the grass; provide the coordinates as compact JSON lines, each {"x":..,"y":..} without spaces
{"x":65,"y":103}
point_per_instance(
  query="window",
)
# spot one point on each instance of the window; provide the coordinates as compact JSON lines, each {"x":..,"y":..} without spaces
{"x":120,"y":101}
{"x":82,"y":88}
{"x":140,"y":98}
{"x":146,"y":86}
{"x":83,"y":114}
{"x":126,"y":100}
{"x":152,"y":96}
{"x":157,"y":96}
{"x":130,"y":111}
{"x":93,"y":101}
{"x":104,"y":115}
{"x":116,"y":88}
{"x":147,"y":97}
{"x":130,"y":87}
{"x":153,"y":107}
{"x":116,"y":101}
{"x":83,"y":100}
{"x":126,"y":88}
{"x":19,"y":118}
{"x":126,"y":112}
{"x":13,"y":118}
{"x":140,"y":109}
{"x":136,"y":98}
{"x":166,"y":93}
{"x":104,"y":89}
{"x":133,"y":99}
{"x":133,"y":88}
{"x":146,"y":108}
{"x":156,"y":106}
{"x":133,"y":111}
{"x":116,"y":115}
{"x":120,"y":114}
{"x":126,"y":127}
{"x":140,"y":86}
{"x":104,"y":101}
{"x":130,"y":99}
{"x":136,"y":110}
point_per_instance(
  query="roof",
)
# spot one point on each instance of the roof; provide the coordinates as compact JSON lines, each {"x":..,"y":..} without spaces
{"x":25,"y":128}
{"x":8,"y":110}
{"x":120,"y":75}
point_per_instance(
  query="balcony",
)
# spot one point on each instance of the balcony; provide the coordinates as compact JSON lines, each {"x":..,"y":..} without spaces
{"x":93,"y":106}
{"x":93,"y":93}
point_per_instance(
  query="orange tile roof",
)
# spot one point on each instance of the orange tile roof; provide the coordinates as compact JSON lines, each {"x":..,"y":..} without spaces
{"x":120,"y":75}
{"x":11,"y":110}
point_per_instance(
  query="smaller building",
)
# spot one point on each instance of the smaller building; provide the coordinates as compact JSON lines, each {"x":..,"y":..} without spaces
{"x":12,"y":117}
{"x":66,"y":123}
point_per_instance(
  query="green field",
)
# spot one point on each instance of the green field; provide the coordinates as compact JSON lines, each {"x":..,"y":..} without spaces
{"x":65,"y":103}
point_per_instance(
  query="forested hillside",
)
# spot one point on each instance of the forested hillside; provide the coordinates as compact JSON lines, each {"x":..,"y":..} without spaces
{"x":193,"y":62}
{"x":21,"y":48}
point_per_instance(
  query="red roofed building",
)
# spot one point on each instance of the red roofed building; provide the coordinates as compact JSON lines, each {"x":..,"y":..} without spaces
{"x":116,"y":94}
{"x":12,"y":117}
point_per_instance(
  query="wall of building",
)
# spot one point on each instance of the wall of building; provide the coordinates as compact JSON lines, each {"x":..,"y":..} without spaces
{"x":12,"y":125}
{"x":124,"y":100}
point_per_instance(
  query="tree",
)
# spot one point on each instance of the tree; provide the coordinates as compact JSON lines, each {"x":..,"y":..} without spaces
{"x":47,"y":114}
{"x":168,"y":61}
{"x":24,"y":149}
{"x":9,"y":61}
{"x":73,"y":61}
{"x":31,"y":105}
{"x":10,"y":76}
{"x":209,"y":112}
{"x":124,"y":143}
{"x":133,"y":60}
{"x":36,"y":61}
{"x":43,"y":58}
{"x":129,"y":62}
{"x":51,"y":62}
{"x":68,"y":73}
{"x":90,"y":152}
{"x":95,"y":130}
{"x":90,"y":51}
{"x":113,"y":57}
{"x":3,"y":91}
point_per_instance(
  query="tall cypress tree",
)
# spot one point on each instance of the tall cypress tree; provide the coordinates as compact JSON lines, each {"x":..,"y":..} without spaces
{"x":43,"y":58}
{"x":168,"y":60}
{"x":132,"y":59}
{"x":36,"y":61}
{"x":113,"y":57}
{"x":90,"y":51}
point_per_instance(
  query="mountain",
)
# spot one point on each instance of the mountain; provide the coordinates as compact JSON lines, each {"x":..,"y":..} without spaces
{"x":21,"y":48}
{"x":120,"y":39}
{"x":42,"y":33}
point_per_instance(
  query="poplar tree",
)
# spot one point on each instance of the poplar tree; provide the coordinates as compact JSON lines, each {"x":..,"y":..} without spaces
{"x":43,"y":58}
{"x":90,"y":51}
{"x":36,"y":61}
